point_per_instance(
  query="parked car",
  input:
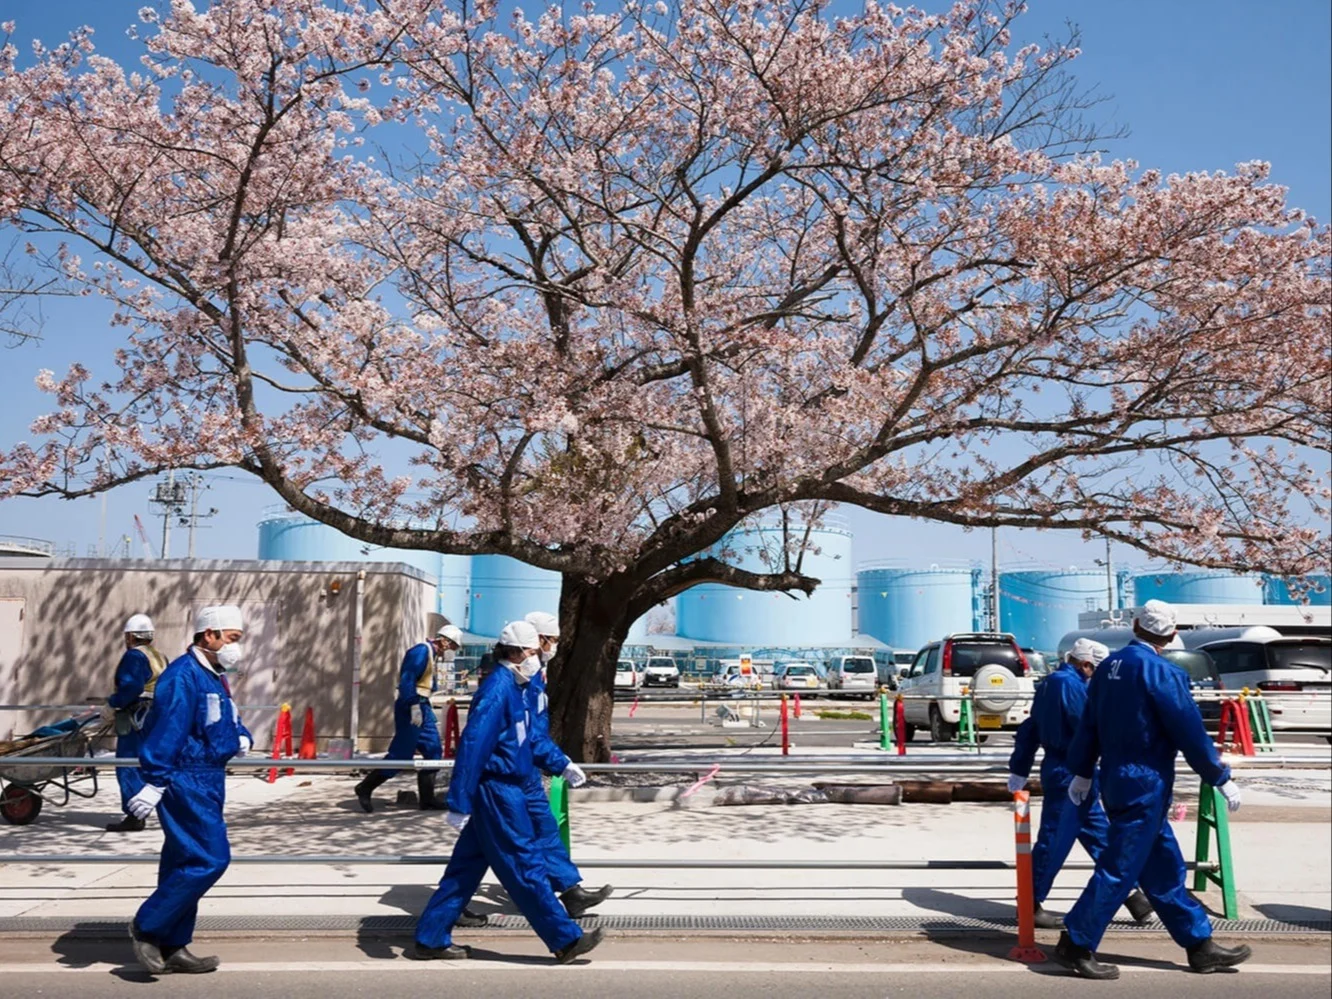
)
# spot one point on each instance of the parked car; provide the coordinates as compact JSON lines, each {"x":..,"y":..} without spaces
{"x":1293,"y":672}
{"x":1203,"y":676}
{"x":852,"y":676}
{"x":1040,"y":666}
{"x":661,"y":671}
{"x":798,"y":676}
{"x":626,"y":673}
{"x":987,"y":666}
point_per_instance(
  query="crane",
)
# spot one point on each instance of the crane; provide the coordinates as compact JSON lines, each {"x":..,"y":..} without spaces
{"x":143,"y":536}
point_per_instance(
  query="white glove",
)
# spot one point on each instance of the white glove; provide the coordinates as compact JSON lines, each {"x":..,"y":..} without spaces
{"x":1079,"y":789}
{"x":573,"y":773}
{"x":458,"y":820}
{"x":142,"y":804}
{"x":245,"y":744}
{"x":1232,"y":795}
{"x":418,"y":717}
{"x":1016,"y":783}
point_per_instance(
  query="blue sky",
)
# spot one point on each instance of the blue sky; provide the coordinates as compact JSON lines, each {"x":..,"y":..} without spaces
{"x":1199,"y":84}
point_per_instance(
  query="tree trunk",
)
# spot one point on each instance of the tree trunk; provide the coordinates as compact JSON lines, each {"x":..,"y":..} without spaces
{"x":594,"y":620}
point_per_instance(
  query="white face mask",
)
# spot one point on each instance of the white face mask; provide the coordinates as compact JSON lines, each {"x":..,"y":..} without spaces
{"x":546,"y":657}
{"x":230,"y":656}
{"x":530,"y":666}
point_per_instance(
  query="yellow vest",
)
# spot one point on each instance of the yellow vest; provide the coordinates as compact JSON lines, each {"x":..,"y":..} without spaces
{"x":156,"y":662}
{"x":425,"y":686}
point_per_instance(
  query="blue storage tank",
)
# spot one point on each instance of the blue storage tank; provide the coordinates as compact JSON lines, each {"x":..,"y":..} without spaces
{"x":908,"y":608}
{"x":294,"y":538}
{"x":1203,"y":586}
{"x":504,"y":590}
{"x":1276,"y":592}
{"x":716,"y":613}
{"x":1040,"y":606}
{"x":455,"y":589}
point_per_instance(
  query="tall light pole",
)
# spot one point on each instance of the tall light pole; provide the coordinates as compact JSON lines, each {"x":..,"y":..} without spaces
{"x":1109,"y":579}
{"x":994,"y":578}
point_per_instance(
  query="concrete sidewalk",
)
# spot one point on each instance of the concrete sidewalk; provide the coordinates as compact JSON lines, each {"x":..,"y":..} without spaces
{"x":1281,"y":841}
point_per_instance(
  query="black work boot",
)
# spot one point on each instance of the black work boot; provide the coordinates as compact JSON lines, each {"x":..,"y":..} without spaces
{"x":1047,"y":920}
{"x":181,"y":962}
{"x":1082,"y":961}
{"x":472,"y":919}
{"x":147,"y":953}
{"x":128,"y":824}
{"x":577,"y":900}
{"x":420,"y":952}
{"x":425,"y":792}
{"x":364,"y":789}
{"x":1139,"y":908}
{"x":579,"y":947}
{"x":1209,"y":956}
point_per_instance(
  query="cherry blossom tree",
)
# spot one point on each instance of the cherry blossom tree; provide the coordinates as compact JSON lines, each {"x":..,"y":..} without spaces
{"x":595,"y":289}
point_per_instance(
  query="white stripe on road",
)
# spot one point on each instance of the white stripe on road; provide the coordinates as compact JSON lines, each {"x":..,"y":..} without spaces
{"x":709,"y":967}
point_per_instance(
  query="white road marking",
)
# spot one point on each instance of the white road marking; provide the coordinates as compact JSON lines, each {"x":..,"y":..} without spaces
{"x":729,"y":967}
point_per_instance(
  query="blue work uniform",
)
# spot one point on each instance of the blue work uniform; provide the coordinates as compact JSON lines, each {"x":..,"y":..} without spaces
{"x":136,"y":678}
{"x":1056,"y":713}
{"x":490,"y":776}
{"x":416,"y":682}
{"x":193,"y":728}
{"x":550,"y":759}
{"x":1139,"y":714}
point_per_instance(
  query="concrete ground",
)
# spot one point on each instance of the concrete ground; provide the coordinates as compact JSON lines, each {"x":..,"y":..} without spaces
{"x":655,"y":969}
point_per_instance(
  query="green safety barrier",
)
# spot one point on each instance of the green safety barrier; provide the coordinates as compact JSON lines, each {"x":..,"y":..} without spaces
{"x":886,"y":738}
{"x":1212,"y":815}
{"x":1260,"y":723}
{"x":559,"y":804}
{"x":966,"y":725}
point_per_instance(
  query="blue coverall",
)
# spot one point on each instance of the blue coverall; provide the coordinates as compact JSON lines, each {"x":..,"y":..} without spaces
{"x":550,"y":759}
{"x":409,"y":739}
{"x":490,"y":776}
{"x":1139,"y":714}
{"x":1056,"y":713}
{"x":193,"y":728}
{"x":133,"y":674}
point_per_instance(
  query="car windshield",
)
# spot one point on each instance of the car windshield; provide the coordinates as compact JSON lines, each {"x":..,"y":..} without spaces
{"x":799,"y":670}
{"x":1196,"y":663}
{"x":858,"y":666}
{"x":1300,"y":655}
{"x":661,"y":664}
{"x":968,"y":657}
{"x":624,"y":667}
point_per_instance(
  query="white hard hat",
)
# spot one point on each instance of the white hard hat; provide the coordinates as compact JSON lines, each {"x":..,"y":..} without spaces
{"x":520,"y":635}
{"x":1157,"y":618}
{"x":1086,"y":651}
{"x":547,"y":625}
{"x":452,"y":632}
{"x":223,"y":617}
{"x":139,"y":624}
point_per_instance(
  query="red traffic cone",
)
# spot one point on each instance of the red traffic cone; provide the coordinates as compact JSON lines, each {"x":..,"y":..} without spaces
{"x":307,"y":737}
{"x":281,"y":739}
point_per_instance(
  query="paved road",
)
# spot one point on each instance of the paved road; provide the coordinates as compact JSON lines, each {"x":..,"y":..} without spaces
{"x":653,"y":969}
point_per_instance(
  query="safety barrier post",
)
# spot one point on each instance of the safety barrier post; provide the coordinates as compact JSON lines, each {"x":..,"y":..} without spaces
{"x":1260,"y":721}
{"x":281,"y":741}
{"x":1213,"y":816}
{"x":899,"y":725}
{"x":451,"y":729}
{"x":1234,"y":715}
{"x":1026,"y":950}
{"x":786,"y":729}
{"x":885,"y":729}
{"x":796,"y":706}
{"x":559,"y":805}
{"x":966,"y":724}
{"x":307,"y":737}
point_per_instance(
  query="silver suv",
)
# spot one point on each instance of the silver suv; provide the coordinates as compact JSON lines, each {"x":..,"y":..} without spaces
{"x":986,"y":668}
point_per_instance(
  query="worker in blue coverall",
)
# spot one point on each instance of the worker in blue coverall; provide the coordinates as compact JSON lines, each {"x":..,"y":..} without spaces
{"x":488,"y":806}
{"x":565,"y":877}
{"x":193,"y":729}
{"x":127,"y":708}
{"x":1139,"y":714}
{"x":415,"y":729}
{"x":1056,"y":713}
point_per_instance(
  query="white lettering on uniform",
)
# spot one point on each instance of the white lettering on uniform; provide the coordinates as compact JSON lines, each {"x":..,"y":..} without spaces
{"x":214,"y":709}
{"x":1114,"y":670}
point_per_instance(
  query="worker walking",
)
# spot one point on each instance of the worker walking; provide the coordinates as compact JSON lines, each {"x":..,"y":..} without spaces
{"x":1139,"y":715}
{"x":565,"y":878}
{"x":488,"y":805}
{"x":192,"y":730}
{"x":136,"y":678}
{"x":415,"y":729}
{"x":1056,"y":713}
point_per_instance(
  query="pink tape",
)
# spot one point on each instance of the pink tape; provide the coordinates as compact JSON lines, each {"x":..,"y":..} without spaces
{"x":716,"y":768}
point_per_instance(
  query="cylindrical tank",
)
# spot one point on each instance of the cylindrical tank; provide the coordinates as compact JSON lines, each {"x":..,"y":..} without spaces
{"x":455,"y":589}
{"x":717,"y":613}
{"x":1275,"y":591}
{"x":504,"y":590}
{"x":1204,"y":586}
{"x":1038,"y":606}
{"x":908,"y":608}
{"x":288,"y":538}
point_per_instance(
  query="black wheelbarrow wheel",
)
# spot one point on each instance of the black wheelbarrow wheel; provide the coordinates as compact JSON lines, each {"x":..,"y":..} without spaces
{"x":20,"y":805}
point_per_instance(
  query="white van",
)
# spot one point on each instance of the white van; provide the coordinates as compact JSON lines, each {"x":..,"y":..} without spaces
{"x":853,"y":676}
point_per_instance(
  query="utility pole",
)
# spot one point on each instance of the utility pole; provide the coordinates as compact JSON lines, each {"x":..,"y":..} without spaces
{"x":196,"y":487}
{"x":1109,"y":579}
{"x":994,"y":578}
{"x":170,"y":496}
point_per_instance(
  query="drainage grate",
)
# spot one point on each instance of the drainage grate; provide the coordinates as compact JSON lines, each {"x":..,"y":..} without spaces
{"x":403,"y":924}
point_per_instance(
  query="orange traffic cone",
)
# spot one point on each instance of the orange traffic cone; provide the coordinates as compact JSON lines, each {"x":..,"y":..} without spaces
{"x":307,"y":737}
